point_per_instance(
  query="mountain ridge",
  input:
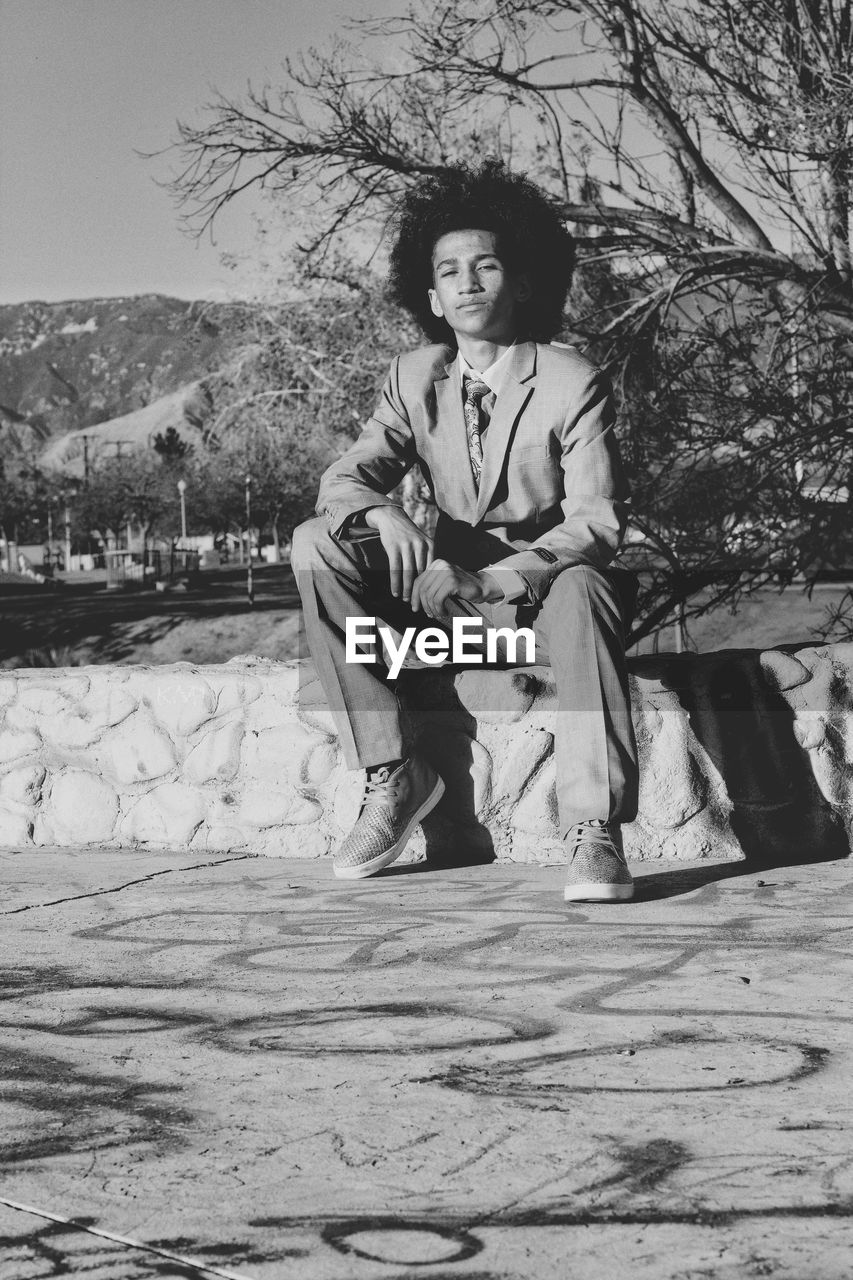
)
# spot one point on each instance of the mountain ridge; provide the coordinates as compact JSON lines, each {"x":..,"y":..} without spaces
{"x":66,"y":366}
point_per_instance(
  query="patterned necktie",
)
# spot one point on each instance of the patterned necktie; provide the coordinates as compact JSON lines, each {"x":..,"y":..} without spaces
{"x":477,"y":412}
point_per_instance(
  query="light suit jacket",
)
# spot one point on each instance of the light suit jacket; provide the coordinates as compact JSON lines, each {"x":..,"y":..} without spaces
{"x":552,"y":492}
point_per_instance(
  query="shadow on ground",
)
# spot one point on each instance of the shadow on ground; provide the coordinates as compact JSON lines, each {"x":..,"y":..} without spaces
{"x":83,"y":622}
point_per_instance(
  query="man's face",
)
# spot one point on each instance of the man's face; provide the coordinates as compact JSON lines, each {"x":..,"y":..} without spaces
{"x":472,"y":289}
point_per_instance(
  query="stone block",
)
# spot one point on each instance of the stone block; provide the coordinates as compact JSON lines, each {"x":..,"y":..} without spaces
{"x":180,"y":700}
{"x":168,"y":816}
{"x":535,"y":811}
{"x":783,"y":671}
{"x":276,"y":707}
{"x":497,"y":697}
{"x":319,"y":719}
{"x":257,"y":808}
{"x":83,"y":721}
{"x":318,"y":764}
{"x":225,"y":837}
{"x":16,"y":744}
{"x":519,"y":765}
{"x":36,"y":704}
{"x":672,"y":788}
{"x":80,"y":809}
{"x":16,"y":825}
{"x":314,"y":842}
{"x":236,"y":694}
{"x":216,"y":756}
{"x":809,"y":730}
{"x":72,"y":683}
{"x":23,"y":785}
{"x":542,"y":851}
{"x":279,"y":753}
{"x":137,"y":750}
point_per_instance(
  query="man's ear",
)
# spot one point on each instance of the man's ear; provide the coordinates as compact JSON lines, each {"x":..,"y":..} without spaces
{"x":523,"y":288}
{"x":435,"y":304}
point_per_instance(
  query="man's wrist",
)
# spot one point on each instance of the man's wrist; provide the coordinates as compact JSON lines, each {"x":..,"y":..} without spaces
{"x":493,"y":592}
{"x":511,"y":587}
{"x":372,"y":515}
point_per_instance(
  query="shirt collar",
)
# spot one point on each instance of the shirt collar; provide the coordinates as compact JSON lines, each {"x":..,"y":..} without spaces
{"x":494,"y":377}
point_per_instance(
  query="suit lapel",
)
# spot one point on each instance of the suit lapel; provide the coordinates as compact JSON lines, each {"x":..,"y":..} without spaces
{"x":515,"y":392}
{"x":454,"y":437}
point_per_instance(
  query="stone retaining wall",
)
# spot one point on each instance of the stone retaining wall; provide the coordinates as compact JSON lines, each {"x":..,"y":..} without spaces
{"x":742,"y":752}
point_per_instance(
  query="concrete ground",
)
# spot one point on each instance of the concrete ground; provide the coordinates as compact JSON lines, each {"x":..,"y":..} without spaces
{"x":443,"y":1074}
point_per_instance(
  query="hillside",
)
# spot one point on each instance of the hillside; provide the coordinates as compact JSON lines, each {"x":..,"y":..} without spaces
{"x":73,"y":453}
{"x":69,"y":365}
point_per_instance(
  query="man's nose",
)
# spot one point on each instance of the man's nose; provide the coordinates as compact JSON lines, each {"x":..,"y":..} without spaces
{"x":468,"y":282}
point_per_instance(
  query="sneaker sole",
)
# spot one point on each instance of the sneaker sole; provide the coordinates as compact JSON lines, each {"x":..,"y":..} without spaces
{"x":598,"y":892}
{"x":385,"y":859}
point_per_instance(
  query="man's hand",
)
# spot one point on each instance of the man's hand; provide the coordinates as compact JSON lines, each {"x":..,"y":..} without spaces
{"x":441,"y":580}
{"x":408,"y":548}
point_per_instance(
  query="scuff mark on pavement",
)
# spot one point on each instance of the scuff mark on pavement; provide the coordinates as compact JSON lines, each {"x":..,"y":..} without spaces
{"x":99,"y":893}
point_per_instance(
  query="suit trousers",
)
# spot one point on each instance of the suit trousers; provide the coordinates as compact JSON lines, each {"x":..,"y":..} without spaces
{"x":580,"y":632}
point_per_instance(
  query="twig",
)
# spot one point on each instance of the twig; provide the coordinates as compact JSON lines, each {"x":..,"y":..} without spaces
{"x":125,"y":1240}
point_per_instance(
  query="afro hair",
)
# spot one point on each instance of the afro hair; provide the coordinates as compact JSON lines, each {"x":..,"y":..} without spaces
{"x":530,"y":236}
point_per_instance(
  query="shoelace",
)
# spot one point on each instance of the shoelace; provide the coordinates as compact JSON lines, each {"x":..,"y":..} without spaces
{"x":380,"y":787}
{"x":593,"y":832}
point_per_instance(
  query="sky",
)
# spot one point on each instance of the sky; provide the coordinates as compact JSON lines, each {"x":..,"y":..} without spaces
{"x":87,"y":84}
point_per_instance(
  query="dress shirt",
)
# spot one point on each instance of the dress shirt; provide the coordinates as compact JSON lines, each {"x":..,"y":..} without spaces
{"x":494,"y":376}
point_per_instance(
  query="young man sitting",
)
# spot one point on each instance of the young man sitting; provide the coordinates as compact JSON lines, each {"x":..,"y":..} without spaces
{"x":514,"y":436}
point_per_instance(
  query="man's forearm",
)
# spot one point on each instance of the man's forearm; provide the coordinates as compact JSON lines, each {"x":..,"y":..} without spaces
{"x":354,"y":524}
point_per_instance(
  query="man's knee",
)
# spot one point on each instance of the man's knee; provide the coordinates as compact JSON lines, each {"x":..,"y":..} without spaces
{"x":607,"y":591}
{"x":579,"y":581}
{"x":309,"y":547}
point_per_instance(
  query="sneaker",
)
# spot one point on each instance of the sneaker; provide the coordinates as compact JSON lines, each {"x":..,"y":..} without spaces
{"x":597,"y":868}
{"x":393,"y":805}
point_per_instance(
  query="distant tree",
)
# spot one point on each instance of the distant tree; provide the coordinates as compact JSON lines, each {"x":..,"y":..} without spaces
{"x":25,"y":492}
{"x":170,"y":447}
{"x":133,"y":488}
{"x":284,"y":460}
{"x":317,"y":343}
{"x":306,"y":381}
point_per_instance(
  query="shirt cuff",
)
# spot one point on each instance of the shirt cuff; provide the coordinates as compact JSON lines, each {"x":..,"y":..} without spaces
{"x":354,"y":528}
{"x":510,"y":582}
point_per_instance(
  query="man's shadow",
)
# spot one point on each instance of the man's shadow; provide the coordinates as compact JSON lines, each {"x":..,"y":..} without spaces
{"x":746,"y":726}
{"x":676,"y":881}
{"x":434,"y":715}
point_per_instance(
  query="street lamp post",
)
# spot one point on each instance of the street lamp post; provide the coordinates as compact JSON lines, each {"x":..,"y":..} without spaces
{"x":182,"y":489}
{"x":250,"y":590}
{"x":67,"y":535}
